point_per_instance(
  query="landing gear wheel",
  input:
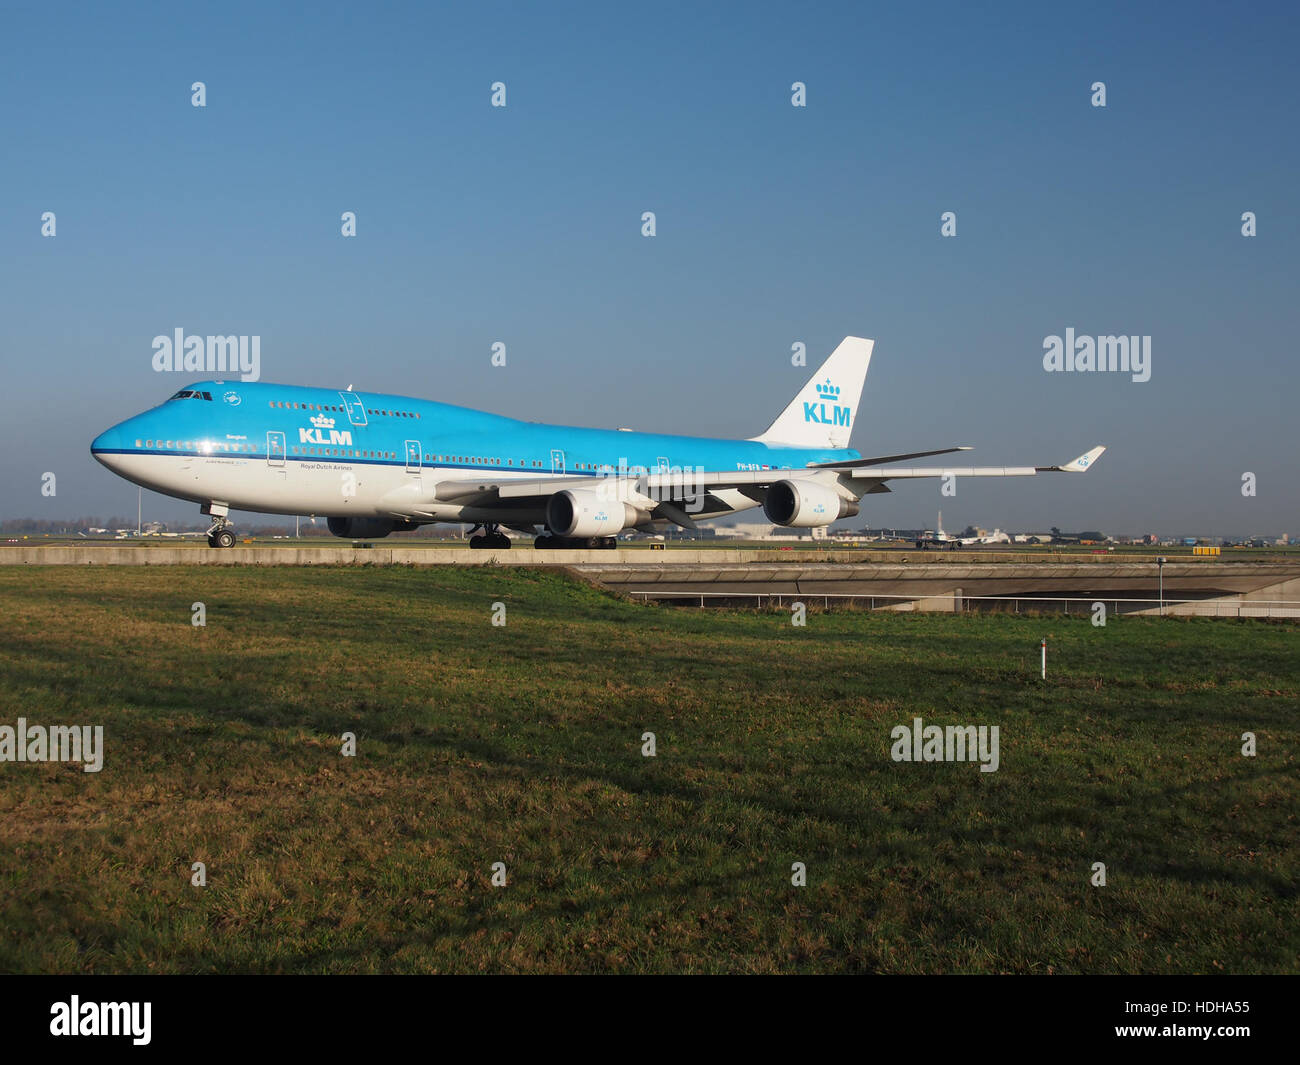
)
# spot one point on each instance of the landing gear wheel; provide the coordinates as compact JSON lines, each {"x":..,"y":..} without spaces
{"x":220,"y":534}
{"x":549,"y":541}
{"x":492,"y":539}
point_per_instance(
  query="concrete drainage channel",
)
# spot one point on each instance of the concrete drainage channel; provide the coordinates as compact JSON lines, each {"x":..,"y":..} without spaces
{"x":1213,"y":590}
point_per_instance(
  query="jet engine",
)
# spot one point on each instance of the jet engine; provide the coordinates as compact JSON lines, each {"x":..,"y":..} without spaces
{"x":805,"y":504}
{"x":366,"y":528}
{"x":582,"y":512}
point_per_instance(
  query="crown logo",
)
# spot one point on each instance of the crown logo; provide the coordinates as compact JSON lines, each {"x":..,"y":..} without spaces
{"x":322,"y":422}
{"x":828,"y":391}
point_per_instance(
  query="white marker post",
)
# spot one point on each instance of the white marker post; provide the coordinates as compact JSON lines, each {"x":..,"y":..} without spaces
{"x":1044,"y":659}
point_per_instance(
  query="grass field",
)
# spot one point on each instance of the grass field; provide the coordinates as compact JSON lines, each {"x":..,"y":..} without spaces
{"x":522,"y":744}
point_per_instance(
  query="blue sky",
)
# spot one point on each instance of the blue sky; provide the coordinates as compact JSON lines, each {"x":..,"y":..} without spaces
{"x":776,"y":224}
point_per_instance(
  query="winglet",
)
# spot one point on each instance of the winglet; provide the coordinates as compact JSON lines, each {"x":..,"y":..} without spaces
{"x":1080,"y":465}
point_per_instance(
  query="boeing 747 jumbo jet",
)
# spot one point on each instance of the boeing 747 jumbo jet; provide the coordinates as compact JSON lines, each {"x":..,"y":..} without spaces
{"x":374,"y":464}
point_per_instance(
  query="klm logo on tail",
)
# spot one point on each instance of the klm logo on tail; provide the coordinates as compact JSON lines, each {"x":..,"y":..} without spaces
{"x":818,"y":410}
{"x":823,"y":411}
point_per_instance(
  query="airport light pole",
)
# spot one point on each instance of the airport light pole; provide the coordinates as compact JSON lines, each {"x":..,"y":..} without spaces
{"x":1160,"y":568}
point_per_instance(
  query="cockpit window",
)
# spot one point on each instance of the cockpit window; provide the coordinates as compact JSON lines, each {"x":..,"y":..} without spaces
{"x":189,"y":393}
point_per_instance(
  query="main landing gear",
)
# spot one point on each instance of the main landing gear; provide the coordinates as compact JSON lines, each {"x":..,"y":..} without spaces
{"x":493,"y":538}
{"x":547,"y":541}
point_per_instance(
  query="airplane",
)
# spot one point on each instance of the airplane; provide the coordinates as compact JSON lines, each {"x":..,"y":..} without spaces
{"x":997,"y":536}
{"x":939,"y":538}
{"x":373,"y":464}
{"x":942,"y":539}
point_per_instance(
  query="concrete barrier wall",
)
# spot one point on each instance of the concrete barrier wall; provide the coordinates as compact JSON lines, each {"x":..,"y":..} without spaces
{"x":395,"y":552}
{"x":923,"y":584}
{"x":341,"y":555}
{"x":811,"y":572}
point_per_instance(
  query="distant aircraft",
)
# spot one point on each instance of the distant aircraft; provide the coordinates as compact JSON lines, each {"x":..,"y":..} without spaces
{"x":930,"y":538}
{"x":997,"y":536}
{"x":374,"y":463}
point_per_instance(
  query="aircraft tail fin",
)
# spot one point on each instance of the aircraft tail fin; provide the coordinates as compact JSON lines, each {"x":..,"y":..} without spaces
{"x":822,"y":414}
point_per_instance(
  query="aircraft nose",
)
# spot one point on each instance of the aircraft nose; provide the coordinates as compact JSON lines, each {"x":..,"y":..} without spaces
{"x":107,"y":447}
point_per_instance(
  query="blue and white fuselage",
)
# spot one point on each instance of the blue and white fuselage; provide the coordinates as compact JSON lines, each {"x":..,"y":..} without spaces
{"x":373,"y":463}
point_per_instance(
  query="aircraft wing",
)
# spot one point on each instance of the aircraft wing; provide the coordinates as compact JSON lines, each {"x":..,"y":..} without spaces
{"x":885,"y":458}
{"x":486,"y":492}
{"x":660,"y":482}
{"x":881,"y":474}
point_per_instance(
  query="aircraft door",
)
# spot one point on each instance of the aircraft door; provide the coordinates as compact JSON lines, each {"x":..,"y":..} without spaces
{"x":557,"y":461}
{"x":356,"y":409}
{"x":413,"y":456}
{"x":275,"y":449}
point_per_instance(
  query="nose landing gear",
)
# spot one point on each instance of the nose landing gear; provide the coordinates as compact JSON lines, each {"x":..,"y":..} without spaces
{"x":221,"y":534}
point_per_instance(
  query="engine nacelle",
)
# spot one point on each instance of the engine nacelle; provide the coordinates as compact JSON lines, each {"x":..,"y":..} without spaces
{"x":366,"y":528}
{"x":805,"y":505}
{"x":582,"y":512}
